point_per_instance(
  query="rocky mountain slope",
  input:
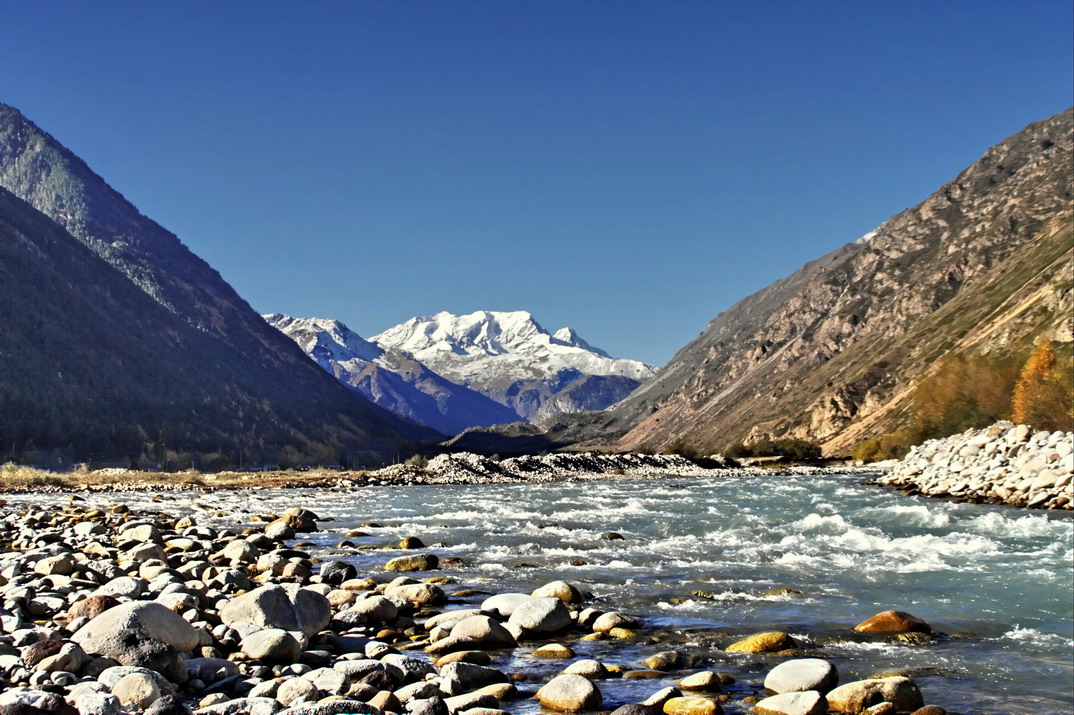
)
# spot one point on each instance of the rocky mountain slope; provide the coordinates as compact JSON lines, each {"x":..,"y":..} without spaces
{"x":510,"y":358}
{"x":252,"y":361}
{"x":832,"y":352}
{"x":390,"y":378}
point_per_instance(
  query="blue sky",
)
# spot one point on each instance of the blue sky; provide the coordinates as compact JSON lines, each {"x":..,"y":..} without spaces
{"x":626,"y":168}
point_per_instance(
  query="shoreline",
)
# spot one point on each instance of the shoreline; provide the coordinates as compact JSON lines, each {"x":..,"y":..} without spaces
{"x":460,"y":468}
{"x":1002,"y":464}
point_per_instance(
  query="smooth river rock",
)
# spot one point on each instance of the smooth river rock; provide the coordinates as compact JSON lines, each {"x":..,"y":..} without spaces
{"x":288,"y":607}
{"x":856,"y":696}
{"x":802,"y":674}
{"x":808,"y":702}
{"x":893,"y":622}
{"x":570,"y":693}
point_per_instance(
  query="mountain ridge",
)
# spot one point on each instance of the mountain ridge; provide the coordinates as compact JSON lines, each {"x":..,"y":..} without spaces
{"x":803,"y":357}
{"x":38,"y":169}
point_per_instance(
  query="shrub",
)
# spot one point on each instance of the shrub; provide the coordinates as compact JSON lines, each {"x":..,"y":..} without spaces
{"x":789,"y":448}
{"x":416,"y":460}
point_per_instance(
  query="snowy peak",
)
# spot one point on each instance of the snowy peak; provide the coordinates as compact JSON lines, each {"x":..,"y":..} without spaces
{"x":510,"y":358}
{"x":567,"y":336}
{"x":493,"y":345}
{"x":484,"y":332}
{"x":325,"y":340}
{"x":389,"y":378}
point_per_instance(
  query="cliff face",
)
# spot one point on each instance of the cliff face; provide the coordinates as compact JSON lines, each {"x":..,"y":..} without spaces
{"x":832,"y":352}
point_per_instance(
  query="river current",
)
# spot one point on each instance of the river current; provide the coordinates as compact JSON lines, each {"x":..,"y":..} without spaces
{"x":705,"y":560}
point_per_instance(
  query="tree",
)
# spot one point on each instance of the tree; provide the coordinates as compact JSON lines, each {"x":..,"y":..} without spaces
{"x":1031,"y":391}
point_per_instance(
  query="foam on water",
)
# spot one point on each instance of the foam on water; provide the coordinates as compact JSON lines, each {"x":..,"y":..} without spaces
{"x":1038,"y":639}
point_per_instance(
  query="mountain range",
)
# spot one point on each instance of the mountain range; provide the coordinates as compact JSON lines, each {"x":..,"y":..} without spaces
{"x":453,"y":372}
{"x":198,"y":371}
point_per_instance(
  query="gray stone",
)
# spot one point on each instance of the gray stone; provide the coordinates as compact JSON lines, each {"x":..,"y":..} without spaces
{"x":210,"y":670}
{"x":505,"y":603}
{"x":137,"y":689}
{"x":284,"y":606}
{"x":376,"y":609}
{"x":859,"y":694}
{"x":470,"y":676}
{"x":273,"y":646}
{"x":541,"y":615}
{"x":570,"y":693}
{"x":484,"y":631}
{"x":97,"y":704}
{"x":150,"y":619}
{"x":807,"y":702}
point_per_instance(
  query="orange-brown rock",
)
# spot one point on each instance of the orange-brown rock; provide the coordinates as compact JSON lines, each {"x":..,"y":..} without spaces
{"x":893,"y":622}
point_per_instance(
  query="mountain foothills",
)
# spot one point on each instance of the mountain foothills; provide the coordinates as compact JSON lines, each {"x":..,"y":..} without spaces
{"x":120,"y":344}
{"x":453,"y":372}
{"x":834,"y":352}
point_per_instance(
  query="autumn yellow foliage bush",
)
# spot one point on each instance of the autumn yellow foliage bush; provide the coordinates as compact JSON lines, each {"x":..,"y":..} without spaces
{"x":969,"y":392}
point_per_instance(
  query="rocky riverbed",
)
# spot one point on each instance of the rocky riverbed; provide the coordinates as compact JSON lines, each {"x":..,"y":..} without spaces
{"x":109,"y":610}
{"x":1002,"y":464}
{"x":470,"y":468}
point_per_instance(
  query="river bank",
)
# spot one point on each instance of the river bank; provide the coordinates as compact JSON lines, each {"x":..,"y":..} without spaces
{"x":491,"y":539}
{"x":1001,"y":464}
{"x":455,"y":468}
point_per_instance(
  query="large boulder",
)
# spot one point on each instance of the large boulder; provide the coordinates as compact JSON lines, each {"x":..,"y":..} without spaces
{"x":469,"y":677}
{"x":858,"y":695}
{"x":419,"y":594}
{"x":561,"y":590}
{"x":285,"y":606}
{"x":376,"y":609}
{"x":570,"y":693}
{"x":141,"y":633}
{"x":484,"y":632}
{"x":504,"y":604}
{"x":802,"y":674}
{"x":136,"y":689}
{"x":336,"y":572}
{"x":33,"y":702}
{"x":692,"y":705}
{"x":415,"y":562}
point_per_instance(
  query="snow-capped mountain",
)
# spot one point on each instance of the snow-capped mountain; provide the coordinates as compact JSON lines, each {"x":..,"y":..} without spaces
{"x":509,"y":357}
{"x":391,"y":379}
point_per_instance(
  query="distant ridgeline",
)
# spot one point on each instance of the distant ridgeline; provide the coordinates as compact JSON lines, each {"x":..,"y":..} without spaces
{"x":119,"y":345}
{"x":962,"y":284}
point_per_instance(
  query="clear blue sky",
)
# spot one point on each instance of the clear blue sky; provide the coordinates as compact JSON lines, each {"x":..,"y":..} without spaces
{"x":627,"y":168}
